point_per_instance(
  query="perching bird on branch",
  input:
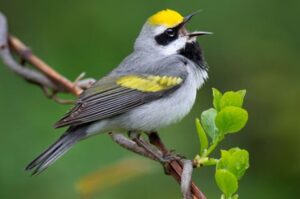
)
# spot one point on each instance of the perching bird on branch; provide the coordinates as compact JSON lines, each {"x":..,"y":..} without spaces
{"x":153,"y":87}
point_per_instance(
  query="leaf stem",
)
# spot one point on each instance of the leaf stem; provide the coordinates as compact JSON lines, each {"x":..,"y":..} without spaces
{"x":212,"y":147}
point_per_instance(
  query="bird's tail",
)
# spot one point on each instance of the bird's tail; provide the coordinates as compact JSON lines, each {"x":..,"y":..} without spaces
{"x":56,"y":150}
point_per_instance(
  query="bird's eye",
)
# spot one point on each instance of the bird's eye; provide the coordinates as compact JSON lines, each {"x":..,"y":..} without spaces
{"x":166,"y":37}
{"x":170,"y":32}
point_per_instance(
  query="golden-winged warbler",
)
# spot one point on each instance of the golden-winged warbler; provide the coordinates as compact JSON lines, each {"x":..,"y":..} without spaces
{"x":153,"y":87}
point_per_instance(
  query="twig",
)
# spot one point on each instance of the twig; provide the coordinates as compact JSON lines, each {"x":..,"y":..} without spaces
{"x":42,"y":74}
{"x":181,"y":173}
{"x":50,"y":80}
{"x":131,"y":145}
{"x":186,"y":178}
{"x":39,"y":64}
{"x":176,"y":168}
{"x":28,"y":74}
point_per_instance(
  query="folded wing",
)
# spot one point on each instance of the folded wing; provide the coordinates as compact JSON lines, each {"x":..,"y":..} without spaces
{"x":112,"y":96}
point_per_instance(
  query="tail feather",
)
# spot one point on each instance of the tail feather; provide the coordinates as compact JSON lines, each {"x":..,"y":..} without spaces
{"x":56,"y":150}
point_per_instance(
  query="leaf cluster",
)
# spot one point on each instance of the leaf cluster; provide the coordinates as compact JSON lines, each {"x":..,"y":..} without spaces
{"x":227,"y":116}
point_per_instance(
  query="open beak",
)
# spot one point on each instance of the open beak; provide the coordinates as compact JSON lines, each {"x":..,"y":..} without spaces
{"x":195,"y":33}
{"x":199,"y":33}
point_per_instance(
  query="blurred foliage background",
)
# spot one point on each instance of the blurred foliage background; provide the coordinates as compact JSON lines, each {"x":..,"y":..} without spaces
{"x":256,"y":46}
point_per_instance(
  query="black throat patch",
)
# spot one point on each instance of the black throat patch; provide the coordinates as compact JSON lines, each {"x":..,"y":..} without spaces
{"x":193,"y":52}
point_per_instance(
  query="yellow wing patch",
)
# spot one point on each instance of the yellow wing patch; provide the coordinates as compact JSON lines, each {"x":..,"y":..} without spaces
{"x":150,"y":83}
{"x":168,"y":18}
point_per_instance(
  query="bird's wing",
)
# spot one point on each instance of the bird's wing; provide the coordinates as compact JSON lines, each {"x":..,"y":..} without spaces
{"x":112,"y":96}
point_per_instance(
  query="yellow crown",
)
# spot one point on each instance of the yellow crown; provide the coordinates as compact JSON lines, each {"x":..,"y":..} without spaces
{"x":168,"y":18}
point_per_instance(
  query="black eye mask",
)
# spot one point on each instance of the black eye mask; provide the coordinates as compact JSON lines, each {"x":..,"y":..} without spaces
{"x":168,"y":36}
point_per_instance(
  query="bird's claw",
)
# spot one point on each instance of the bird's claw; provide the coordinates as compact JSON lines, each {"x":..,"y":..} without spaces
{"x":172,"y":155}
{"x":168,"y":158}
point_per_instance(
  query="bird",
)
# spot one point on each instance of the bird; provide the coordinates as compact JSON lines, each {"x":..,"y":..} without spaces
{"x":153,"y":87}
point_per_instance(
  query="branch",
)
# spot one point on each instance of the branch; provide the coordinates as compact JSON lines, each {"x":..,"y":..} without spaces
{"x":131,"y":145}
{"x":182,"y":173}
{"x":63,"y":83}
{"x":179,"y":171}
{"x":45,"y":76}
{"x":42,"y":74}
{"x":186,"y":178}
{"x":8,"y":60}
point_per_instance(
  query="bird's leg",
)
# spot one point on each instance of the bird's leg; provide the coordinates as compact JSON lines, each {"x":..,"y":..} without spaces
{"x":136,"y":137}
{"x":156,"y":141}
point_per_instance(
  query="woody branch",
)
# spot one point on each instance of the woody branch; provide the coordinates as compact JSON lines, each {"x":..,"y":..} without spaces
{"x":52,"y":82}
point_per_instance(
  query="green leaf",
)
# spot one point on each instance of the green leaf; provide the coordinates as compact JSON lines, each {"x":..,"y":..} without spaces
{"x":231,"y":119}
{"x":217,"y":95}
{"x":231,"y":98}
{"x":242,"y":93}
{"x":226,"y":182}
{"x":224,"y":160}
{"x":208,"y":121}
{"x":239,"y":163}
{"x":202,"y":137}
{"x":235,"y":160}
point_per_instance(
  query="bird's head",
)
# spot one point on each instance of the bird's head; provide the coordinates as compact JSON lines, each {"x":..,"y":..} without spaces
{"x":165,"y":33}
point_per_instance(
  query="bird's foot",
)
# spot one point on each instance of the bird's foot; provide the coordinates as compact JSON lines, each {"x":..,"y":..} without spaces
{"x":173,"y":156}
{"x":170,"y":157}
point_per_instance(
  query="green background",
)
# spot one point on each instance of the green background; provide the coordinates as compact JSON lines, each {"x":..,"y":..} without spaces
{"x":256,"y":47}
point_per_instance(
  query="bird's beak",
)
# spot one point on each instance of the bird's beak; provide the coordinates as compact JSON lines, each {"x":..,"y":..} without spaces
{"x":190,"y":16}
{"x":199,"y":33}
{"x":195,"y":33}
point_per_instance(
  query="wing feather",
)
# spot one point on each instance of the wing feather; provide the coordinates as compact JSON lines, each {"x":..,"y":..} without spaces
{"x":117,"y":95}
